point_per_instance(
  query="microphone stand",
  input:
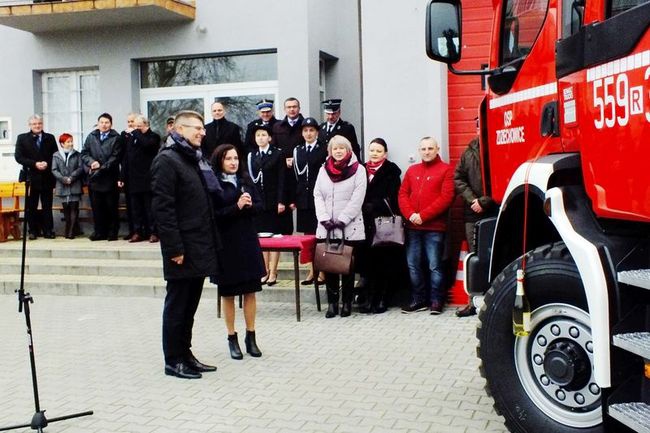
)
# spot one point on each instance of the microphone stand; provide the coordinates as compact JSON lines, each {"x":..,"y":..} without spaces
{"x":39,"y":421}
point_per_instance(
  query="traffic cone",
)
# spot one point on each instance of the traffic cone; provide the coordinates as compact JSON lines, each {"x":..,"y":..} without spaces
{"x":457,"y":294}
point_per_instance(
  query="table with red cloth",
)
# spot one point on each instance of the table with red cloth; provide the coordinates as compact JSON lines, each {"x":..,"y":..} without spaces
{"x":302,"y":247}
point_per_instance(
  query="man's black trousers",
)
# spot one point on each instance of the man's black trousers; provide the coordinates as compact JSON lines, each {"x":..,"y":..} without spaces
{"x":181,"y":302}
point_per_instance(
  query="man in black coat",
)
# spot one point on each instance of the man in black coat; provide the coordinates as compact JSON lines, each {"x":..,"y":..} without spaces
{"x":337,"y":126}
{"x":101,"y":154}
{"x":34,"y":150}
{"x":287,"y":135}
{"x":221,"y":131}
{"x":127,"y":142}
{"x":140,"y":152}
{"x":266,"y":117}
{"x":181,"y":183}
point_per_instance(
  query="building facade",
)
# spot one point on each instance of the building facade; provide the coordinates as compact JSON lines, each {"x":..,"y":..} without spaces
{"x":72,"y":60}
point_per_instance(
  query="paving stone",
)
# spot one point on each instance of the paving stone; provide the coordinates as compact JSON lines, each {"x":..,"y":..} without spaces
{"x":357,"y":374}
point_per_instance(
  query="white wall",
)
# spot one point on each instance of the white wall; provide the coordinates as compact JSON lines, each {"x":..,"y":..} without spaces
{"x":404,"y":93}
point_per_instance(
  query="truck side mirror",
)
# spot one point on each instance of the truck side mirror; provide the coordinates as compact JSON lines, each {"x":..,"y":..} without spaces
{"x":443,"y":31}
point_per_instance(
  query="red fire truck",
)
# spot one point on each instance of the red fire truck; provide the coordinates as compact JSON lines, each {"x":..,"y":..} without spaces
{"x":565,"y":123}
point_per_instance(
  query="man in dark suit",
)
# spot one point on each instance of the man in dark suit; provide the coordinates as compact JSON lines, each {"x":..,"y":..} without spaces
{"x":337,"y":126}
{"x":287,"y":135}
{"x":140,"y":152}
{"x":221,"y":131}
{"x":102,"y":153}
{"x":34,"y":151}
{"x":266,"y":117}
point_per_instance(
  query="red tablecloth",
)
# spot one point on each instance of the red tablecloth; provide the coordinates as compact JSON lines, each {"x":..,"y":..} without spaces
{"x":305,"y":243}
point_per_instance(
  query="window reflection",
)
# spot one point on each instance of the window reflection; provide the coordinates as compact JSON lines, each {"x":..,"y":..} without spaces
{"x":208,"y":70}
{"x":159,"y":111}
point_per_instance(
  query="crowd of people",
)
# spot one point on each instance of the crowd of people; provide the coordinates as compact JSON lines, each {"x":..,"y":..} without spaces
{"x":207,"y":195}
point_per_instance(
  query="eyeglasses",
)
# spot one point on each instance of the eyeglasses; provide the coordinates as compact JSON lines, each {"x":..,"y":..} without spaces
{"x":197,"y":127}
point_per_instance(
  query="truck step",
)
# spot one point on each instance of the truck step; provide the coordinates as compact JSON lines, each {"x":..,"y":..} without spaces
{"x":634,"y":415}
{"x":635,"y":342}
{"x":635,"y":277}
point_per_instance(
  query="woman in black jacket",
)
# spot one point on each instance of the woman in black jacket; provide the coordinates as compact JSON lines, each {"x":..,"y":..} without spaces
{"x":241,"y":255}
{"x":383,"y":266}
{"x":266,"y":167}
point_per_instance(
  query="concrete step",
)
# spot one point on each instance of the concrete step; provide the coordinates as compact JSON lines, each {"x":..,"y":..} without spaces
{"x":82,"y":248}
{"x":80,"y":267}
{"x":106,"y":267}
{"x":95,"y":285}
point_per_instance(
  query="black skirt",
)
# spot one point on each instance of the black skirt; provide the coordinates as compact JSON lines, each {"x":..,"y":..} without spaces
{"x":267,"y":221}
{"x":239,"y":288}
{"x":306,"y":221}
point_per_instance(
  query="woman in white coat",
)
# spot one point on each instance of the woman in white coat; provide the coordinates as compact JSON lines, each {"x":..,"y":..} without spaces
{"x":338,"y":197}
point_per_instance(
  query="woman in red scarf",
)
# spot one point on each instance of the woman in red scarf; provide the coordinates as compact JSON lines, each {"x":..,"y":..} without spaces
{"x":338,"y":197}
{"x":382,"y":267}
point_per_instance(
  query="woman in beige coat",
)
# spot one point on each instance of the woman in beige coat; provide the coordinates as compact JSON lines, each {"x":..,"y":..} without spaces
{"x":338,"y":196}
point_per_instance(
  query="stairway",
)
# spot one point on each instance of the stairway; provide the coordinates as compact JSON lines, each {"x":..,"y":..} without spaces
{"x":630,"y":405}
{"x":81,"y":267}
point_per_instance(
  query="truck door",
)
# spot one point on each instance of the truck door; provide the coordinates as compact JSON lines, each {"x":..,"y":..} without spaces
{"x":523,"y":87}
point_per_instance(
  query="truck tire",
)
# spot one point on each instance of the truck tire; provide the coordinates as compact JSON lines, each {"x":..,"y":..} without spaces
{"x":543,"y":382}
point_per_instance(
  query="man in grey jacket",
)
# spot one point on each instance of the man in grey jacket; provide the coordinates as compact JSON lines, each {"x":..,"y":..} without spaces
{"x":101,"y":154}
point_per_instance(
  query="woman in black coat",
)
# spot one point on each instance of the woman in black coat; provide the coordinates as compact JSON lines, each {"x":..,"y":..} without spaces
{"x":266,"y":167}
{"x":241,"y":256}
{"x":383,"y":266}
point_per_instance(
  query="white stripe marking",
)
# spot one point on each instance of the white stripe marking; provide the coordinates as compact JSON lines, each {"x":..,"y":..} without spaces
{"x":524,"y":95}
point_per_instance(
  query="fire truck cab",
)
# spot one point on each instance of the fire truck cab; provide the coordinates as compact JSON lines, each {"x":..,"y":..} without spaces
{"x":564,"y":127}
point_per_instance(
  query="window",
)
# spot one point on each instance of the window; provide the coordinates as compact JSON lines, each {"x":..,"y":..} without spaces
{"x":522,"y":22}
{"x":238,"y":81}
{"x":70,"y":102}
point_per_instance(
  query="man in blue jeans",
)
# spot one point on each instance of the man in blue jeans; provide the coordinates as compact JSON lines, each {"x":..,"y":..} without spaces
{"x":425,"y":196}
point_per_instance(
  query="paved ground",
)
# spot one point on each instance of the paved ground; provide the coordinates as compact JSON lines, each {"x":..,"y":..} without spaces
{"x":387,"y":373}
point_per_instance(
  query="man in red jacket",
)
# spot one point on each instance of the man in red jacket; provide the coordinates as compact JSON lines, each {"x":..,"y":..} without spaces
{"x":424,"y":199}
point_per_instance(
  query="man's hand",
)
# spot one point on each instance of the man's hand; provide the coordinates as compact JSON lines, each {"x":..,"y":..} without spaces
{"x":289,"y":162}
{"x":67,"y":180}
{"x":41,"y":165}
{"x":281,"y":208}
{"x":94,"y":165}
{"x":416,"y":219}
{"x":476,"y":207}
{"x":120,"y":184}
{"x":292,"y":206}
{"x":178,"y":259}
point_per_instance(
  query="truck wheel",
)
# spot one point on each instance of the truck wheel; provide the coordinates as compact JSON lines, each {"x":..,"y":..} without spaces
{"x":543,"y":382}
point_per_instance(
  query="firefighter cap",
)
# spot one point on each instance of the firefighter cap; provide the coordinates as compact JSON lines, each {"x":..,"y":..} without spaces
{"x":265,"y":105}
{"x":332,"y":105}
{"x":310,"y":121}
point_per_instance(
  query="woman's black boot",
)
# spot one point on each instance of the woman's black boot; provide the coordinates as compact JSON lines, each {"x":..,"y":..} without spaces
{"x":251,"y":345}
{"x":332,"y":297}
{"x":233,"y":344}
{"x":332,"y":310}
{"x":346,"y":295}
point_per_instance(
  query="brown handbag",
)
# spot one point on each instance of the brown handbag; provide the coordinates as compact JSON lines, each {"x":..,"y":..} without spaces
{"x":334,"y":258}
